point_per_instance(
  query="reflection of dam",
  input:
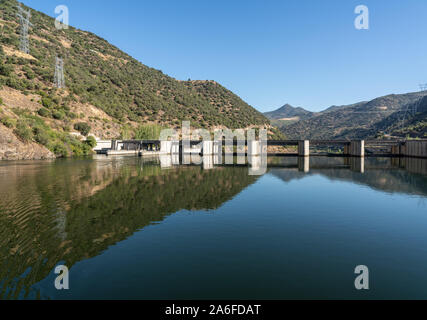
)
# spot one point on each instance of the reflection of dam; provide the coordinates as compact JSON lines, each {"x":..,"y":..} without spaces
{"x":304,"y":164}
{"x":73,"y":210}
{"x":404,"y":175}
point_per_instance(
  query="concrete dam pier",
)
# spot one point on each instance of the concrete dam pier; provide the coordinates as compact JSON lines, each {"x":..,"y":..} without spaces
{"x":303,"y":148}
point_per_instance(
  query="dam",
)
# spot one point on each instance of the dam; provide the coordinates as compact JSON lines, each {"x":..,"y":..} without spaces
{"x":301,"y":148}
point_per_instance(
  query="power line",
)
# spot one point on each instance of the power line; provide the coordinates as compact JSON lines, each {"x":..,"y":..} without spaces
{"x":59,"y":79}
{"x":24,"y":21}
{"x":409,"y":112}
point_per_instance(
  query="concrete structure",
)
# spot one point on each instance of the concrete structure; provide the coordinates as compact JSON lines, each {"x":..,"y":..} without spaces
{"x":415,"y":165}
{"x":208,"y":148}
{"x":397,"y":150}
{"x":217,"y":147}
{"x":217,"y":158}
{"x":175,"y":147}
{"x":165,"y":161}
{"x":254,"y":148}
{"x":169,"y":147}
{"x":192,"y":147}
{"x":415,"y":148}
{"x":166,"y":147}
{"x":360,"y":148}
{"x":113,"y":145}
{"x":357,"y":148}
{"x":117,"y":145}
{"x":175,"y":159}
{"x":304,"y":148}
{"x":122,"y":152}
{"x":257,"y":164}
{"x":357,"y":164}
{"x":304,"y":164}
{"x":102,"y":145}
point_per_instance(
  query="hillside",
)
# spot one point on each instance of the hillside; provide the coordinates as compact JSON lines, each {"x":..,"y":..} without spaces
{"x":287,"y":115}
{"x":411,"y":122}
{"x":107,"y":91}
{"x":360,"y":120}
{"x":288,"y":111}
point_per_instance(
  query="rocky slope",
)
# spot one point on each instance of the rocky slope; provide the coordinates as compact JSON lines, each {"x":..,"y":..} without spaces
{"x":11,"y":148}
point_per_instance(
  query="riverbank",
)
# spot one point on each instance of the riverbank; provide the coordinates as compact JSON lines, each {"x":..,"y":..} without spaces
{"x":11,"y":148}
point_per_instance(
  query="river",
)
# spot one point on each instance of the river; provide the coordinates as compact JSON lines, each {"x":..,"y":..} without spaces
{"x":131,"y":228}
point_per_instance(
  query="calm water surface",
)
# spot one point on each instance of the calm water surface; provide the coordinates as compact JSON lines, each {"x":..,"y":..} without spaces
{"x":129,"y":228}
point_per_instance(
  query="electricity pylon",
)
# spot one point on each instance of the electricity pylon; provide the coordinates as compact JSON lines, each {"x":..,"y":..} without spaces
{"x":24,"y":21}
{"x":409,"y":112}
{"x":59,"y":79}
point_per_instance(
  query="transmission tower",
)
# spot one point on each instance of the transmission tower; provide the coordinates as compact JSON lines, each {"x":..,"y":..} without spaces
{"x":59,"y":79}
{"x":423,"y":87}
{"x":24,"y":21}
{"x":409,"y":112}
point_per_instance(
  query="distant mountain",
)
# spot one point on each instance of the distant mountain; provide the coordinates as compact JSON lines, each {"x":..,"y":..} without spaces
{"x":288,"y":112}
{"x":380,"y":117}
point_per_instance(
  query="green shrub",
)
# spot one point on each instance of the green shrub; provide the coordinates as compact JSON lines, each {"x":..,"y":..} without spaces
{"x":5,"y":70}
{"x":148,"y":132}
{"x":8,"y":122}
{"x":126,"y":132}
{"x":91,"y":141}
{"x":41,"y":136}
{"x":78,"y":147}
{"x":58,"y":115}
{"x":30,"y":75}
{"x":72,"y":115}
{"x":44,"y":112}
{"x":47,"y":102}
{"x":15,"y":83}
{"x":60,"y":150}
{"x":83,"y":128}
{"x":23,"y":131}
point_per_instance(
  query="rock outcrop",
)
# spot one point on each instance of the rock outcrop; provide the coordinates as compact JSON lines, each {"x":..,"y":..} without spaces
{"x":11,"y":148}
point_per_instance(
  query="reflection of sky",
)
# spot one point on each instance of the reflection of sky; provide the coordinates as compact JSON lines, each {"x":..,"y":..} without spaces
{"x":276,"y":239}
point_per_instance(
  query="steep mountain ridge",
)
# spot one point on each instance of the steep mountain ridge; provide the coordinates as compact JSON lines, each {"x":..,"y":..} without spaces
{"x":359,"y":120}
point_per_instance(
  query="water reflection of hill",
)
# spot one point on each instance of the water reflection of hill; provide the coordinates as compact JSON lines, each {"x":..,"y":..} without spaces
{"x":68,"y":211}
{"x":73,"y":210}
{"x":391,"y":175}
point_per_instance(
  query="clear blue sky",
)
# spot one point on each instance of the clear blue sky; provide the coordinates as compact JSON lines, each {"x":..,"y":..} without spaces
{"x":303,"y":52}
